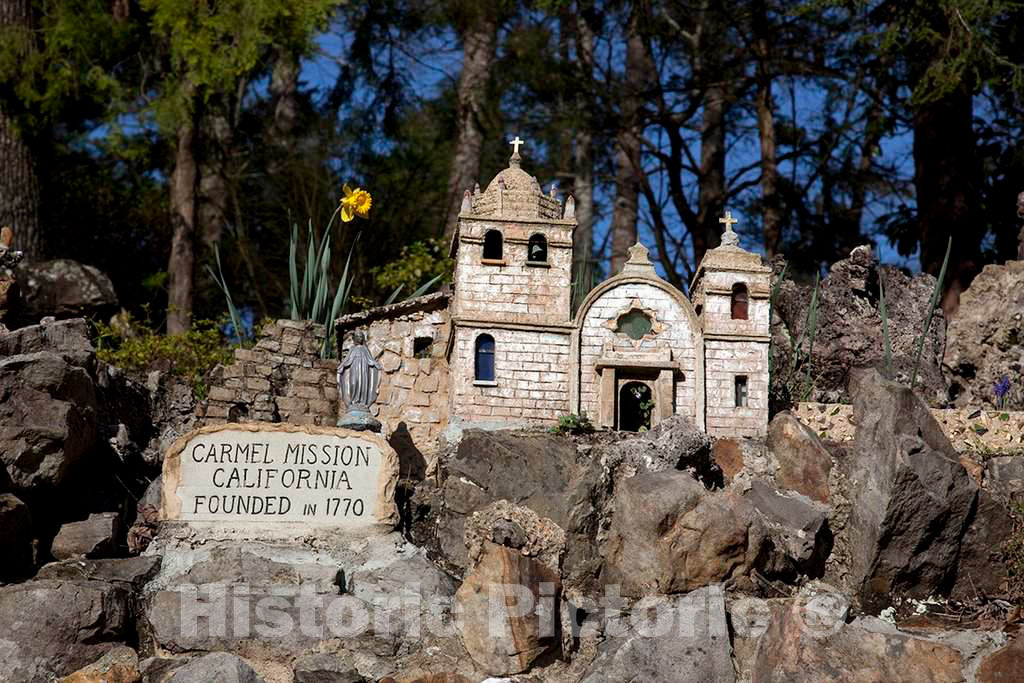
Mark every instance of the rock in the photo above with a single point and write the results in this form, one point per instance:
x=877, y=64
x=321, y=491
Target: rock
x=985, y=338
x=911, y=499
x=527, y=469
x=131, y=572
x=65, y=289
x=67, y=338
x=675, y=443
x=380, y=595
x=15, y=539
x=647, y=506
x=981, y=569
x=719, y=539
x=158, y=669
x=518, y=528
x=804, y=463
x=53, y=628
x=47, y=418
x=728, y=455
x=215, y=666
x=798, y=649
x=798, y=528
x=1004, y=476
x=322, y=668
x=119, y=665
x=93, y=537
x=1004, y=665
x=691, y=647
x=509, y=611
x=432, y=678
x=849, y=329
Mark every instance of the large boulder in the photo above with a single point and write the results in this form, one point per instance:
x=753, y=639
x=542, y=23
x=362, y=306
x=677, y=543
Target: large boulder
x=985, y=338
x=803, y=461
x=508, y=611
x=67, y=338
x=646, y=507
x=798, y=528
x=849, y=327
x=16, y=561
x=64, y=289
x=55, y=627
x=119, y=665
x=678, y=639
x=797, y=648
x=47, y=418
x=215, y=666
x=94, y=537
x=912, y=500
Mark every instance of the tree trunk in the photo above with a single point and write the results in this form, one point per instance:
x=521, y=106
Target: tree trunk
x=627, y=146
x=183, y=187
x=214, y=156
x=479, y=42
x=771, y=217
x=710, y=73
x=583, y=179
x=946, y=182
x=19, y=184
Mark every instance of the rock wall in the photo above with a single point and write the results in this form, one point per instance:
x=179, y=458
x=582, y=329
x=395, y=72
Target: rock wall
x=967, y=428
x=281, y=379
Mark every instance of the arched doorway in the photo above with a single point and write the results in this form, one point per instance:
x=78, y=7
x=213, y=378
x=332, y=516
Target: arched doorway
x=636, y=404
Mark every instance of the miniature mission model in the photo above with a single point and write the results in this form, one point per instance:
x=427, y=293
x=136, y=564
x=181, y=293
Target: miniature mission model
x=636, y=351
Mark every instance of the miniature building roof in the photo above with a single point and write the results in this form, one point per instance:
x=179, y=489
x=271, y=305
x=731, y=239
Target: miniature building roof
x=514, y=193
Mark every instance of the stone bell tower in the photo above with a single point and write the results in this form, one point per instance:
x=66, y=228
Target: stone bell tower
x=509, y=353
x=730, y=293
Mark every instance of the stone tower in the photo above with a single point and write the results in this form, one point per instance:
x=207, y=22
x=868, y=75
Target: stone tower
x=730, y=293
x=511, y=328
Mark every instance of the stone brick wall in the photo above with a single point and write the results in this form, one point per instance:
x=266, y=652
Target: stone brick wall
x=716, y=300
x=723, y=362
x=673, y=332
x=413, y=401
x=980, y=430
x=281, y=379
x=516, y=290
x=531, y=370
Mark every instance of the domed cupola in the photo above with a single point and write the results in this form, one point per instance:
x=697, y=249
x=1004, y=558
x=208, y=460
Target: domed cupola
x=513, y=193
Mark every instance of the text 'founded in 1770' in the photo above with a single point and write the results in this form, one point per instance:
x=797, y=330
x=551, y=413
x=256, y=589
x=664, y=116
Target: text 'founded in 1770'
x=280, y=473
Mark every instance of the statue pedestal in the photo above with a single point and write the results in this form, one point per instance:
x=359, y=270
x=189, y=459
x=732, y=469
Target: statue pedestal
x=360, y=421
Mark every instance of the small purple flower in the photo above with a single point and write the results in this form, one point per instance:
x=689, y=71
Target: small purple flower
x=1002, y=387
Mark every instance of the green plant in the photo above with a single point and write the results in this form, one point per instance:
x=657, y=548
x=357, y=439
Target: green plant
x=931, y=313
x=886, y=339
x=574, y=424
x=136, y=347
x=308, y=296
x=645, y=413
x=423, y=259
x=218, y=277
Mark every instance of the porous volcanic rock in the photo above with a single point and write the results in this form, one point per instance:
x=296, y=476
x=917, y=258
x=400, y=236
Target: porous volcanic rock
x=985, y=339
x=64, y=288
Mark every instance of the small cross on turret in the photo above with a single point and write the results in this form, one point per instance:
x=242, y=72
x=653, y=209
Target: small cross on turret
x=729, y=238
x=515, y=142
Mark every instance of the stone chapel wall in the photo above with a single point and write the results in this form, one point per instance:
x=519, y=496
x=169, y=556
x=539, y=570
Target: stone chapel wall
x=531, y=370
x=281, y=379
x=409, y=340
x=597, y=333
x=718, y=308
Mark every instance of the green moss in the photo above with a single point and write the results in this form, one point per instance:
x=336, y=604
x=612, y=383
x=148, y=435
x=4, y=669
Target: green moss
x=136, y=347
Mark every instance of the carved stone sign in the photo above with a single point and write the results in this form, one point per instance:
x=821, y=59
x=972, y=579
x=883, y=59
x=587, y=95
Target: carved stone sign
x=271, y=473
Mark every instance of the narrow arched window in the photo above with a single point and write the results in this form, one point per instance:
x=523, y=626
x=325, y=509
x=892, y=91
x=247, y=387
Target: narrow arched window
x=740, y=301
x=537, y=249
x=483, y=364
x=492, y=245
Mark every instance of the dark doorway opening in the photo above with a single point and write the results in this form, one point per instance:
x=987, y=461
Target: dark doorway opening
x=636, y=404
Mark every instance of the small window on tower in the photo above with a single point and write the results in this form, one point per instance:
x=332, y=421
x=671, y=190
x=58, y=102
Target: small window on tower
x=740, y=301
x=492, y=246
x=421, y=347
x=537, y=249
x=741, y=391
x=483, y=366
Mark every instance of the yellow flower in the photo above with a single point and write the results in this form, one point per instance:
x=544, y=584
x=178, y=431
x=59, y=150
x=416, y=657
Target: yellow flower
x=356, y=202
